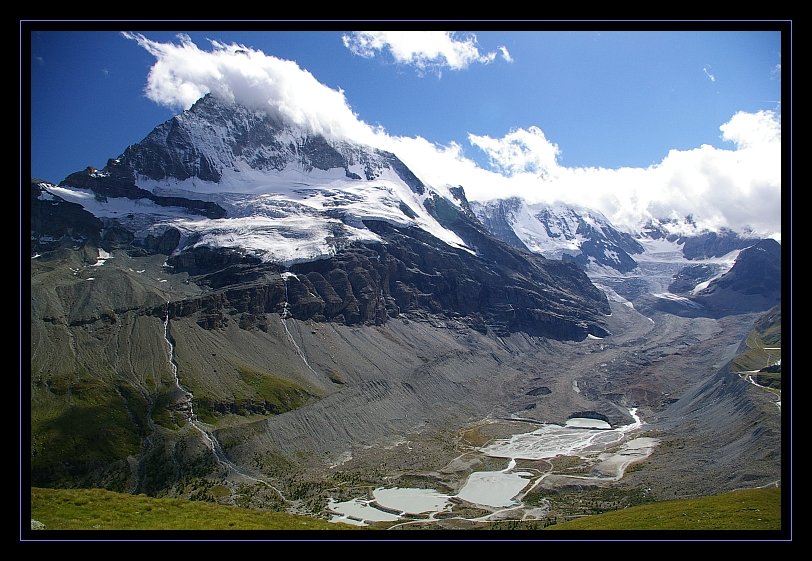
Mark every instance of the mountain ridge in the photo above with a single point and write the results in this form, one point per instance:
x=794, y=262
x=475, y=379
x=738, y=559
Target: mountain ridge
x=560, y=231
x=329, y=213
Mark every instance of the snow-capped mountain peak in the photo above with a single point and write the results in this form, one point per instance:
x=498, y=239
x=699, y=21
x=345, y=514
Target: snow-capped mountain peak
x=560, y=231
x=228, y=176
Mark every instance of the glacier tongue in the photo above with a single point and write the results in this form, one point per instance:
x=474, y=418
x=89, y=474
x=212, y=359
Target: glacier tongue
x=284, y=217
x=292, y=216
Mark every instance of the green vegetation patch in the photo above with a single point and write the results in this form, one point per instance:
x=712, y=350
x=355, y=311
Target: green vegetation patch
x=97, y=509
x=766, y=334
x=261, y=393
x=87, y=423
x=163, y=414
x=769, y=379
x=281, y=394
x=748, y=509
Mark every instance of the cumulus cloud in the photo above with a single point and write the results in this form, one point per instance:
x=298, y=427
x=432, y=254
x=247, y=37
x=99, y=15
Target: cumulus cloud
x=425, y=50
x=747, y=130
x=737, y=186
x=721, y=187
x=519, y=151
x=505, y=53
x=183, y=73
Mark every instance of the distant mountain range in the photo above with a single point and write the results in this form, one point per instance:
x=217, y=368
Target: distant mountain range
x=588, y=238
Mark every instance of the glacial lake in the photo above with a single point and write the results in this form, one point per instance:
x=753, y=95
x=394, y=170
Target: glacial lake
x=493, y=488
x=586, y=423
x=497, y=489
x=411, y=501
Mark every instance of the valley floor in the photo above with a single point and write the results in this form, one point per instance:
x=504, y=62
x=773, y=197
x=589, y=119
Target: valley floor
x=697, y=421
x=417, y=402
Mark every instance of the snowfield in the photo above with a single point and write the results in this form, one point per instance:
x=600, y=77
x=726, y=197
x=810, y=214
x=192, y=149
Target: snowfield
x=285, y=217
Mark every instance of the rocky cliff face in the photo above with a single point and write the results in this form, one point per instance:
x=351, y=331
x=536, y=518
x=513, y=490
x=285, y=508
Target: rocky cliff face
x=689, y=277
x=412, y=275
x=752, y=284
x=713, y=244
x=53, y=218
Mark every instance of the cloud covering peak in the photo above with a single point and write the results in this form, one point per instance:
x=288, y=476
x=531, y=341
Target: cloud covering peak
x=737, y=187
x=183, y=73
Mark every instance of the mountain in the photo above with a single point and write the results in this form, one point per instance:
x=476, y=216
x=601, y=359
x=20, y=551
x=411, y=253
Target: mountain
x=752, y=284
x=227, y=176
x=222, y=184
x=560, y=232
x=231, y=268
x=696, y=243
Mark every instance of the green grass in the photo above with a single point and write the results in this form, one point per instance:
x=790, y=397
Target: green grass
x=749, y=509
x=98, y=509
x=283, y=395
x=766, y=333
x=273, y=393
x=85, y=423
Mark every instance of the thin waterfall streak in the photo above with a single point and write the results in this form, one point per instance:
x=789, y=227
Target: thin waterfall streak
x=188, y=407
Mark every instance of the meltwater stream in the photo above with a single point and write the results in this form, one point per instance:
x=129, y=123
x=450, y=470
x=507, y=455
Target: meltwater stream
x=285, y=315
x=189, y=412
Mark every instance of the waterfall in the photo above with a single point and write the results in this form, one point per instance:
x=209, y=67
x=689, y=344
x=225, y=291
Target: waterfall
x=189, y=413
x=284, y=317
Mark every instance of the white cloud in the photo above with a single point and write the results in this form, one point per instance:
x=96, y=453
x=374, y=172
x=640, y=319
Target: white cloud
x=707, y=71
x=747, y=130
x=426, y=50
x=735, y=187
x=183, y=73
x=519, y=151
x=505, y=53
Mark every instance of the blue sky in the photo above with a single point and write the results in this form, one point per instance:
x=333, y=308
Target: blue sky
x=601, y=99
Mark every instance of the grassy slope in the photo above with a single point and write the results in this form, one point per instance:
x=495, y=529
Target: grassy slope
x=749, y=509
x=88, y=509
x=95, y=383
x=766, y=333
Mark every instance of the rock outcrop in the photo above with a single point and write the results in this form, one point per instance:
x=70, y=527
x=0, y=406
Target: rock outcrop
x=412, y=274
x=752, y=284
